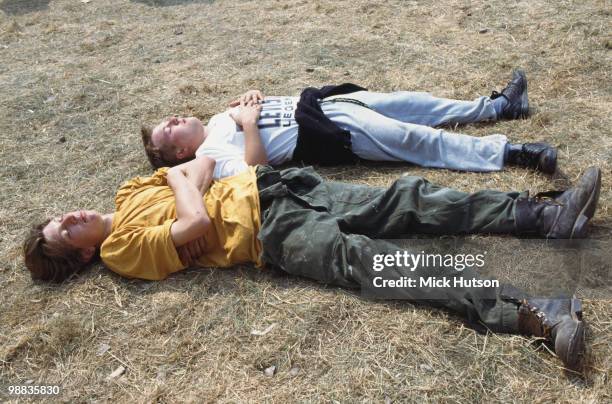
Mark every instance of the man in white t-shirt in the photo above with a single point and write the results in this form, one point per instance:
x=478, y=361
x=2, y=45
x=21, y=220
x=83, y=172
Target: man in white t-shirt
x=227, y=141
x=398, y=126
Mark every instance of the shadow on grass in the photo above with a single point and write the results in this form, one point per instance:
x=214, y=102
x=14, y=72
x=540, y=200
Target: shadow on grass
x=166, y=3
x=20, y=7
x=247, y=283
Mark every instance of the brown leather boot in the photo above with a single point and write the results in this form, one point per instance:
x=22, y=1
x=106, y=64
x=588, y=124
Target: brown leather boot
x=559, y=321
x=562, y=215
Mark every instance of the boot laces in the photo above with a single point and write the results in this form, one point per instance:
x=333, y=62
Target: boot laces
x=496, y=94
x=548, y=198
x=533, y=320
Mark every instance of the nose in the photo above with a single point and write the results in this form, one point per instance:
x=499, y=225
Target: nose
x=68, y=219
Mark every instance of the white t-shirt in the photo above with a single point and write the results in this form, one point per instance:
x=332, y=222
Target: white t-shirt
x=277, y=129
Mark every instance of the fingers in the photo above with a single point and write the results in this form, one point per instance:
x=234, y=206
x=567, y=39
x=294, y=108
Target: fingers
x=247, y=111
x=246, y=97
x=201, y=246
x=257, y=97
x=251, y=97
x=184, y=256
x=191, y=257
x=255, y=109
x=193, y=251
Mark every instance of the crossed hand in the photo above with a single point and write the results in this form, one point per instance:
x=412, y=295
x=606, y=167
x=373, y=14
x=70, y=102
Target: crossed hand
x=249, y=98
x=190, y=252
x=250, y=108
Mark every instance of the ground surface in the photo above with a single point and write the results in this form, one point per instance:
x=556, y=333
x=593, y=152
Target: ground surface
x=77, y=79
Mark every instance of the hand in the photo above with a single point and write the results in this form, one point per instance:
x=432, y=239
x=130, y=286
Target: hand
x=249, y=98
x=246, y=114
x=190, y=252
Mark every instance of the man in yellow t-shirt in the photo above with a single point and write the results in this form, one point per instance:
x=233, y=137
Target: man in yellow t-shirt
x=162, y=223
x=141, y=245
x=328, y=231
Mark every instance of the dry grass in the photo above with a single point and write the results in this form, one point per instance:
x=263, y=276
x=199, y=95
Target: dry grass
x=76, y=81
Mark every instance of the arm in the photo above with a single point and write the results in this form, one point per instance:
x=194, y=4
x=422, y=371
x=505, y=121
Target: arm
x=247, y=116
x=254, y=151
x=199, y=172
x=187, y=182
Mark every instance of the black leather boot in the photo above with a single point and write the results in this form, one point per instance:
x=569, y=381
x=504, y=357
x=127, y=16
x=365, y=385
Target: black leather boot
x=562, y=215
x=539, y=156
x=559, y=321
x=516, y=94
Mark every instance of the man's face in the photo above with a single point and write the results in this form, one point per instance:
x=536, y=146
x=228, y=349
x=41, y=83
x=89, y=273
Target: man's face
x=80, y=229
x=182, y=136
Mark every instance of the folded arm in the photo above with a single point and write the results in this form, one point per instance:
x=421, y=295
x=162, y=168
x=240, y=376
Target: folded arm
x=189, y=182
x=247, y=116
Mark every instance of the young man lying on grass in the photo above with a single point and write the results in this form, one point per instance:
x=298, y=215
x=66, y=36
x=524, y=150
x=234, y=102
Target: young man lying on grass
x=340, y=124
x=328, y=231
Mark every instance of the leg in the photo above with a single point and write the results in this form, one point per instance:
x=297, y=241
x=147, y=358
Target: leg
x=424, y=109
x=413, y=205
x=309, y=243
x=309, y=230
x=379, y=138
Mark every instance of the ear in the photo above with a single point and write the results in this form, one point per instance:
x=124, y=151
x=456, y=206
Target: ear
x=87, y=254
x=181, y=154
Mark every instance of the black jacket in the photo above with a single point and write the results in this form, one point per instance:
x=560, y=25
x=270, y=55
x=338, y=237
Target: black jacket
x=320, y=141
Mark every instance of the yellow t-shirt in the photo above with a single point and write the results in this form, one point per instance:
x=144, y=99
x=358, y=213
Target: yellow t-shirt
x=140, y=245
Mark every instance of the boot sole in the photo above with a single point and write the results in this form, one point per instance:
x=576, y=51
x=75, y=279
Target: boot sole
x=575, y=348
x=524, y=114
x=588, y=211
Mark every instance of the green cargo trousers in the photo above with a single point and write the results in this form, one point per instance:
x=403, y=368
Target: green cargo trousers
x=330, y=232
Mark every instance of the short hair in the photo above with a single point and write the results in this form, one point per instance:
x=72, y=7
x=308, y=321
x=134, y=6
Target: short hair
x=154, y=154
x=158, y=157
x=47, y=262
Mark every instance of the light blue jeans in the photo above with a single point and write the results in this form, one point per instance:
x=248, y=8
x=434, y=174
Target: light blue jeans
x=400, y=127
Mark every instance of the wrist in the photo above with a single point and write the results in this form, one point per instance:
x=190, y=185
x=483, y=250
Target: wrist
x=249, y=125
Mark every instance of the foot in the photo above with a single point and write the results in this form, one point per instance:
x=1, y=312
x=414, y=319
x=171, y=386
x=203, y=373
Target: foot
x=561, y=215
x=578, y=206
x=539, y=156
x=515, y=93
x=559, y=321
